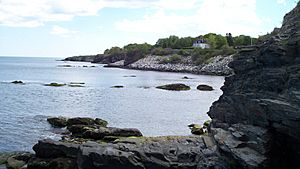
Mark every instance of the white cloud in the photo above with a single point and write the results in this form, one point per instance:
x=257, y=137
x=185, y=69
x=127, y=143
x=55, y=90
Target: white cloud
x=63, y=32
x=33, y=13
x=158, y=22
x=220, y=16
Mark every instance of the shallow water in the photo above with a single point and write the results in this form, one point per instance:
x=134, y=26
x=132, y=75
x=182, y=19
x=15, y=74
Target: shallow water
x=24, y=108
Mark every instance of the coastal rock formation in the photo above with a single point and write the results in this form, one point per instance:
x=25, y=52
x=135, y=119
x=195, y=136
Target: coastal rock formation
x=256, y=122
x=176, y=152
x=217, y=66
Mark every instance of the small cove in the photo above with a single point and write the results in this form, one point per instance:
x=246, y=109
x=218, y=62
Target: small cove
x=24, y=108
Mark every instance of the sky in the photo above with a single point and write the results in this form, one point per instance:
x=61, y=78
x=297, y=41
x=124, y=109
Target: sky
x=63, y=28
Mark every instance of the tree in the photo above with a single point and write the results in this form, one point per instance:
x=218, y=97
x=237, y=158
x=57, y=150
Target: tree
x=229, y=39
x=113, y=51
x=242, y=40
x=215, y=41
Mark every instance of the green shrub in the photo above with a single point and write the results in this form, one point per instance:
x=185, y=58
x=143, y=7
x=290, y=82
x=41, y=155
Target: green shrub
x=172, y=59
x=161, y=51
x=184, y=52
x=226, y=50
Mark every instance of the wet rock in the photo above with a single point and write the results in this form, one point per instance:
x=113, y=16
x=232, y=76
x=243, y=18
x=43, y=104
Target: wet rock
x=203, y=87
x=196, y=129
x=78, y=129
x=186, y=77
x=117, y=86
x=101, y=132
x=17, y=82
x=130, y=76
x=57, y=121
x=55, y=84
x=81, y=121
x=75, y=85
x=174, y=87
x=100, y=122
x=64, y=66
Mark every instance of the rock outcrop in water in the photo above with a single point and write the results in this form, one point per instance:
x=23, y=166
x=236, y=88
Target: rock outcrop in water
x=256, y=122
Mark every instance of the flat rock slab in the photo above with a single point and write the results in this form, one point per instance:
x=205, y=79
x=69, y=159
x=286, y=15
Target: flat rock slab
x=142, y=153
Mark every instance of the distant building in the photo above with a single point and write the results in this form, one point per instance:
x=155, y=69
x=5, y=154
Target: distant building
x=201, y=43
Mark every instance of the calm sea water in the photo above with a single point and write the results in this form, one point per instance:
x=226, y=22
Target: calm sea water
x=24, y=108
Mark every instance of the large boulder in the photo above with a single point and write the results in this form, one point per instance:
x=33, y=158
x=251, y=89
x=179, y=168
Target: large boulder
x=86, y=121
x=63, y=121
x=101, y=132
x=52, y=149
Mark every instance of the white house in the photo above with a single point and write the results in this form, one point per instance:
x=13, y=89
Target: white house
x=201, y=43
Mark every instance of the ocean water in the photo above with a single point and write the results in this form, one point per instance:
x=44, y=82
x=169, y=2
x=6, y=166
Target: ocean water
x=24, y=108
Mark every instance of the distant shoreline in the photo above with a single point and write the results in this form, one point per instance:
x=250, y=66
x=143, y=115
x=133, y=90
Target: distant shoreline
x=218, y=66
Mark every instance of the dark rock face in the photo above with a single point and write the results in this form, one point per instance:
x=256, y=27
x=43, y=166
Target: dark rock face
x=257, y=119
x=175, y=87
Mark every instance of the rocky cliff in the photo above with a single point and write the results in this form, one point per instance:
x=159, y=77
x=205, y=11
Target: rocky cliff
x=256, y=122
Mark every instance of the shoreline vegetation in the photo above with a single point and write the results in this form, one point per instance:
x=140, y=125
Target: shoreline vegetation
x=174, y=54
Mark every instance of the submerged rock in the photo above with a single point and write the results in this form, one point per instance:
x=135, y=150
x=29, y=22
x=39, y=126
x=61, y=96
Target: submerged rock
x=75, y=85
x=17, y=82
x=186, y=77
x=64, y=66
x=203, y=87
x=78, y=83
x=175, y=87
x=117, y=86
x=55, y=84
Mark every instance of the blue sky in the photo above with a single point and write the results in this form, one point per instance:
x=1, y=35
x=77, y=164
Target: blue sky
x=62, y=28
